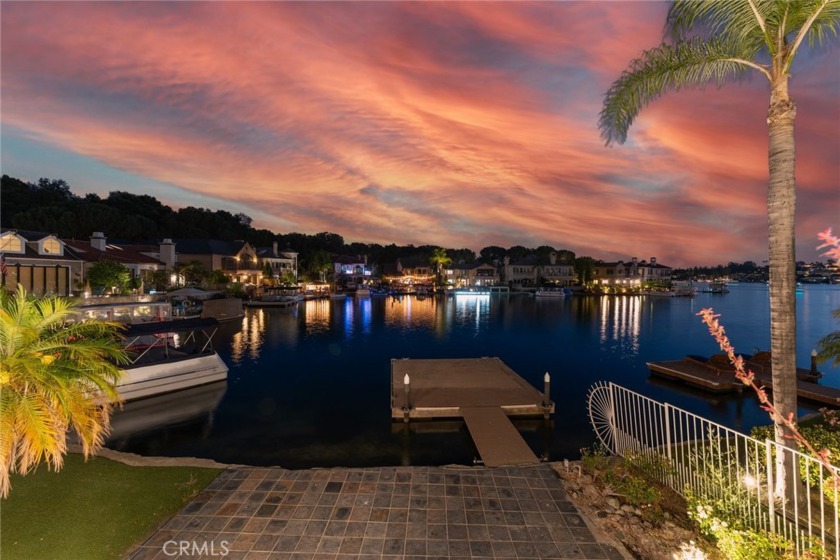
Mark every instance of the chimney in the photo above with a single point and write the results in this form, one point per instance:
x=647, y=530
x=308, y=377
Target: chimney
x=167, y=253
x=635, y=260
x=552, y=258
x=653, y=261
x=276, y=253
x=97, y=241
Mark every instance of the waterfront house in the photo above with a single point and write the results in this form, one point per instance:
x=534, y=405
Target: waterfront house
x=410, y=271
x=98, y=249
x=40, y=262
x=533, y=271
x=281, y=262
x=237, y=259
x=630, y=274
x=354, y=270
x=471, y=275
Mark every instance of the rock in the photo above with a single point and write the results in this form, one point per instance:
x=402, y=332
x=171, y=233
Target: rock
x=613, y=502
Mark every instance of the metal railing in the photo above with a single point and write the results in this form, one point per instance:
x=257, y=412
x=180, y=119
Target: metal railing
x=690, y=453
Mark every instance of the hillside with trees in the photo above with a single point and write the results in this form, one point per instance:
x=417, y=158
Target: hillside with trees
x=50, y=206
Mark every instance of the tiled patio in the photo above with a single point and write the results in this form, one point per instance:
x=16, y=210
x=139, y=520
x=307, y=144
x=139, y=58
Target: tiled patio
x=388, y=512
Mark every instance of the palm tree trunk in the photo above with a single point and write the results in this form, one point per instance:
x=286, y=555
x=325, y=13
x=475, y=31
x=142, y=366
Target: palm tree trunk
x=781, y=204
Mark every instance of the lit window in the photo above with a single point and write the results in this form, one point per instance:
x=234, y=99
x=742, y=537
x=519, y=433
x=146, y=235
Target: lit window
x=51, y=246
x=11, y=243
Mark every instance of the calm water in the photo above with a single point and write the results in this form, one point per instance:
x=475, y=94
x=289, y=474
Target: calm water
x=310, y=386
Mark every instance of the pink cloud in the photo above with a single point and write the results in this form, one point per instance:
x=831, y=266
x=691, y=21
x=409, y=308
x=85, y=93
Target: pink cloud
x=462, y=124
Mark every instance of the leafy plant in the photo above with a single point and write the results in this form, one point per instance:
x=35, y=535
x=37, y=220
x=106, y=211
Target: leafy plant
x=55, y=375
x=107, y=275
x=719, y=503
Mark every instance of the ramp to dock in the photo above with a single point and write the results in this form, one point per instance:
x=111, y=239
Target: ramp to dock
x=483, y=391
x=497, y=441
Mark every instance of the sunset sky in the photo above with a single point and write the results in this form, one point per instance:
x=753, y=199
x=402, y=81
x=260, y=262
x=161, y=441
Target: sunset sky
x=456, y=124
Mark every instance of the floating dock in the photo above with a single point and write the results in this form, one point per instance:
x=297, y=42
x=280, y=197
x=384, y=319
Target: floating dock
x=482, y=391
x=694, y=373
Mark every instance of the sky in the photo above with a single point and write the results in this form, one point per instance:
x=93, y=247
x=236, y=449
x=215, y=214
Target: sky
x=459, y=124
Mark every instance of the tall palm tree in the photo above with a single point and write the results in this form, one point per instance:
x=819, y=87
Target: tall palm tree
x=54, y=375
x=715, y=41
x=439, y=260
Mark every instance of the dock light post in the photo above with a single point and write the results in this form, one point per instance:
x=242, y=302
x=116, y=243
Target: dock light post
x=813, y=362
x=546, y=395
x=407, y=404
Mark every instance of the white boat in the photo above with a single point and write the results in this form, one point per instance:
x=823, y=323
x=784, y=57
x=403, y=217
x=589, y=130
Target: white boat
x=362, y=292
x=169, y=356
x=338, y=295
x=551, y=293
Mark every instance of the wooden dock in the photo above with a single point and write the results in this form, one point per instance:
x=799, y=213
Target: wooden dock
x=709, y=379
x=483, y=391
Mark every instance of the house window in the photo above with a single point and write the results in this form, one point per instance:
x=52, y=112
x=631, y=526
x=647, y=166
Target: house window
x=11, y=243
x=51, y=246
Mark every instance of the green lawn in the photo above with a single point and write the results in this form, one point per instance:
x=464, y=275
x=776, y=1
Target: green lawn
x=93, y=510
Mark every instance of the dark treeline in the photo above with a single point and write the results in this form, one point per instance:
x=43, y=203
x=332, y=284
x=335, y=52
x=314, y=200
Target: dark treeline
x=50, y=206
x=746, y=269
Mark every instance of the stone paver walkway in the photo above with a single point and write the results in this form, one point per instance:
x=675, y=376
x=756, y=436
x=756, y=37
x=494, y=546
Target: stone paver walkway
x=386, y=512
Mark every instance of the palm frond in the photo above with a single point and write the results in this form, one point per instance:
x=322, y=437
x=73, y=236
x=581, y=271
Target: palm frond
x=826, y=25
x=56, y=374
x=693, y=63
x=739, y=21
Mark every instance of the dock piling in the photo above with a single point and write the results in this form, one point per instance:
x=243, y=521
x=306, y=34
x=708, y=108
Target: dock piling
x=407, y=407
x=546, y=395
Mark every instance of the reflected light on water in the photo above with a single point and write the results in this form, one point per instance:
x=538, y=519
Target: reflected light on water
x=621, y=321
x=316, y=315
x=473, y=309
x=365, y=315
x=410, y=312
x=250, y=338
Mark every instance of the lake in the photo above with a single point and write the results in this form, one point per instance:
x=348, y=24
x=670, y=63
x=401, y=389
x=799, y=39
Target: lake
x=310, y=386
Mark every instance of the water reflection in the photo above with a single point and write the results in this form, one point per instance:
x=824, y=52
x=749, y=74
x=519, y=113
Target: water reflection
x=315, y=315
x=249, y=339
x=309, y=385
x=621, y=321
x=193, y=406
x=472, y=311
x=407, y=313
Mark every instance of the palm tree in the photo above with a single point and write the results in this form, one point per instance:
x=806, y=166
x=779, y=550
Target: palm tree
x=54, y=375
x=439, y=260
x=718, y=41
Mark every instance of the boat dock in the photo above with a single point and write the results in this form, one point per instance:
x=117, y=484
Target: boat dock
x=716, y=381
x=483, y=391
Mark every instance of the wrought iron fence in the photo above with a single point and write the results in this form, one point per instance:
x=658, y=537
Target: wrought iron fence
x=690, y=453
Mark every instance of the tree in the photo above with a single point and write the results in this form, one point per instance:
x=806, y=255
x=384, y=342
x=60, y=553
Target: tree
x=319, y=263
x=194, y=272
x=217, y=280
x=55, y=375
x=107, y=275
x=439, y=260
x=158, y=280
x=268, y=274
x=492, y=253
x=585, y=269
x=718, y=41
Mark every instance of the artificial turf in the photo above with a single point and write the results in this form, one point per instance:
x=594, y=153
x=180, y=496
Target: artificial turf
x=91, y=510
